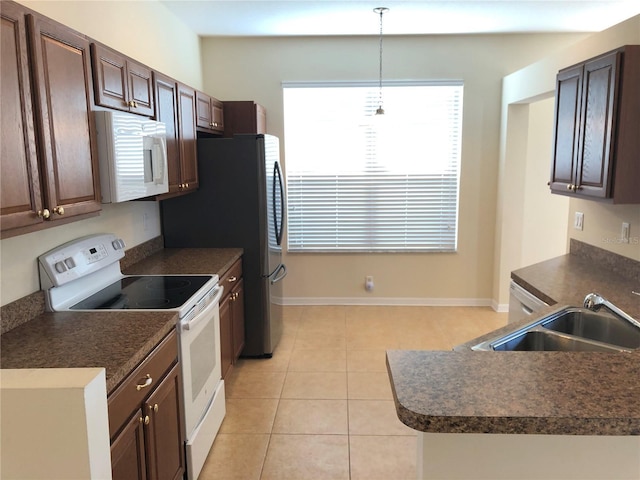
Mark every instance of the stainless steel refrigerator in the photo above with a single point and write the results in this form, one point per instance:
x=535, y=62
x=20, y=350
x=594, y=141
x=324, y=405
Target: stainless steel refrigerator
x=240, y=203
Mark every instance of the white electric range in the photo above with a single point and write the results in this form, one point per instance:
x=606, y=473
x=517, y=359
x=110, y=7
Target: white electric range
x=85, y=275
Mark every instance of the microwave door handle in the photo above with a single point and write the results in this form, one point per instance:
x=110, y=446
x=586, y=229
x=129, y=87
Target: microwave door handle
x=157, y=162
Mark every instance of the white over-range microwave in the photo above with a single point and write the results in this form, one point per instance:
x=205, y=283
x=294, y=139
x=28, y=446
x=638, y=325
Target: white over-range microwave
x=132, y=153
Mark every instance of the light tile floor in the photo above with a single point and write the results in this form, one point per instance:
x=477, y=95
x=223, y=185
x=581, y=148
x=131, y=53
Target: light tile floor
x=322, y=407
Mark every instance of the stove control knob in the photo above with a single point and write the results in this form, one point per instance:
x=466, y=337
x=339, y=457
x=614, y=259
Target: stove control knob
x=118, y=244
x=69, y=263
x=60, y=267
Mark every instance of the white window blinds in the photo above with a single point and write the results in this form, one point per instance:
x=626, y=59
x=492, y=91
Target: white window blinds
x=359, y=182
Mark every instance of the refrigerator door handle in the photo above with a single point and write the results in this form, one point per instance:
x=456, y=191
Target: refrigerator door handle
x=277, y=179
x=279, y=274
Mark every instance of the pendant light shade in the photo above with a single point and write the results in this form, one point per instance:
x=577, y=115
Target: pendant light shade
x=380, y=11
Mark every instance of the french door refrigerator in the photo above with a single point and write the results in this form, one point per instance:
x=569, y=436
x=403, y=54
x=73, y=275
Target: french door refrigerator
x=240, y=202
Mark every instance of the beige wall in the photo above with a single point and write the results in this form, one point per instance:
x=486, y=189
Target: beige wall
x=254, y=68
x=527, y=86
x=544, y=216
x=147, y=32
x=144, y=30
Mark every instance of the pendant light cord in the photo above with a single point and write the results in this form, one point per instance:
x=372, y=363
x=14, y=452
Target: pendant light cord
x=381, y=11
x=380, y=73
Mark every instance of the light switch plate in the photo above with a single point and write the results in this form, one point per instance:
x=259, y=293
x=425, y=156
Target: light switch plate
x=578, y=221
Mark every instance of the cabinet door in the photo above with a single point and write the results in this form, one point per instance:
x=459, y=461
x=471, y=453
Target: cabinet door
x=64, y=98
x=140, y=85
x=217, y=115
x=237, y=326
x=567, y=121
x=110, y=78
x=164, y=439
x=19, y=178
x=210, y=113
x=595, y=148
x=226, y=336
x=167, y=112
x=127, y=451
x=187, y=135
x=203, y=110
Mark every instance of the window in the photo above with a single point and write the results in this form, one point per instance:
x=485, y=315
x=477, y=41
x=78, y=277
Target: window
x=363, y=183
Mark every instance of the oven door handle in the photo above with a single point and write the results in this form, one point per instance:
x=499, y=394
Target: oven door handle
x=196, y=314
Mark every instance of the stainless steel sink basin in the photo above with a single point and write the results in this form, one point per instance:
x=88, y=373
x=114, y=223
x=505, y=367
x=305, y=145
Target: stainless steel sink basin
x=572, y=329
x=540, y=341
x=596, y=326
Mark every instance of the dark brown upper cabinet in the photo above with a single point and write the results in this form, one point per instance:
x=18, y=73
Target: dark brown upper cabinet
x=210, y=114
x=122, y=83
x=20, y=180
x=176, y=108
x=49, y=156
x=596, y=151
x=244, y=117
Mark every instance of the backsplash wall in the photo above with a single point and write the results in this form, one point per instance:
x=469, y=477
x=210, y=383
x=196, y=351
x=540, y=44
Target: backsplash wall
x=603, y=226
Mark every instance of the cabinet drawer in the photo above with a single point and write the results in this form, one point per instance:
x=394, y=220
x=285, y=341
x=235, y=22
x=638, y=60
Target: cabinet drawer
x=231, y=277
x=128, y=396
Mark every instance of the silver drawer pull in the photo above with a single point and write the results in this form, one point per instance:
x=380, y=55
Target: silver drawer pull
x=231, y=279
x=147, y=381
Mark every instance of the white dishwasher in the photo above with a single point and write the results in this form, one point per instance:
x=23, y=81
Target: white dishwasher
x=522, y=303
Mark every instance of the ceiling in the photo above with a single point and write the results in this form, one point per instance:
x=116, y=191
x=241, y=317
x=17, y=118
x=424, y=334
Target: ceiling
x=409, y=17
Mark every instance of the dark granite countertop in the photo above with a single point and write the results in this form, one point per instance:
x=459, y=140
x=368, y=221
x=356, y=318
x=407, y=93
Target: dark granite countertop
x=564, y=393
x=117, y=341
x=567, y=279
x=186, y=260
x=557, y=393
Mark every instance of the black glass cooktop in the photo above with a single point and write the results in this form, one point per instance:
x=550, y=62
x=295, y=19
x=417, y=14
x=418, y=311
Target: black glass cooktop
x=156, y=292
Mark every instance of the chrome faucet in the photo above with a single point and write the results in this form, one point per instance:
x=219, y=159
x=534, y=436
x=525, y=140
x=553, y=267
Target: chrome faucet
x=594, y=301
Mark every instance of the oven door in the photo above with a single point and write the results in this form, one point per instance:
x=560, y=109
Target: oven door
x=200, y=356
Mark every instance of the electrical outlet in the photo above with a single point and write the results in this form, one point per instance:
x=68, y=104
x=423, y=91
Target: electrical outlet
x=578, y=221
x=625, y=232
x=368, y=283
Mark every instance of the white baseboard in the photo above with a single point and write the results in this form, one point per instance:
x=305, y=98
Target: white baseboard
x=500, y=307
x=385, y=301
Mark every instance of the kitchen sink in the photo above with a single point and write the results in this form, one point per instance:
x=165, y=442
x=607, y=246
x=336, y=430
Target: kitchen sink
x=541, y=341
x=572, y=329
x=596, y=326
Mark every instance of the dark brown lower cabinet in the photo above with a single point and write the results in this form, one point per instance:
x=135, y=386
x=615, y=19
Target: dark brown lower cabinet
x=149, y=444
x=127, y=451
x=226, y=332
x=237, y=316
x=232, y=317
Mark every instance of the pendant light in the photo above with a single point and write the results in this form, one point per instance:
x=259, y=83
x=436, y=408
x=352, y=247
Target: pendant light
x=380, y=11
